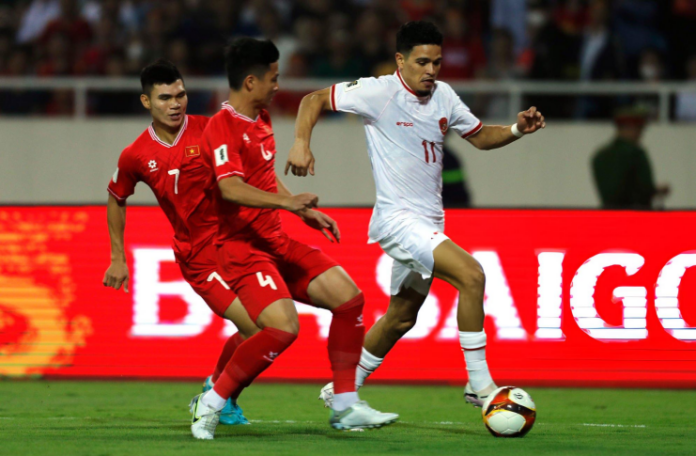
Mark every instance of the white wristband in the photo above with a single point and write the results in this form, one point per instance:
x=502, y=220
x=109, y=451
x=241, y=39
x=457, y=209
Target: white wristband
x=516, y=131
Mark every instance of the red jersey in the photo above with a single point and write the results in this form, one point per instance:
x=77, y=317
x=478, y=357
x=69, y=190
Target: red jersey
x=235, y=145
x=178, y=178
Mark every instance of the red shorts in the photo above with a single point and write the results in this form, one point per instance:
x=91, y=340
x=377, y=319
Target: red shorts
x=201, y=272
x=262, y=272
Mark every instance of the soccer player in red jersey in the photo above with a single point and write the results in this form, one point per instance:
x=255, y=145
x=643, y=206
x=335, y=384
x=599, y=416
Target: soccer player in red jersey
x=265, y=267
x=167, y=157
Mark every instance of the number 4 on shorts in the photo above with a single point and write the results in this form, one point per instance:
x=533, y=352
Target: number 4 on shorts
x=268, y=280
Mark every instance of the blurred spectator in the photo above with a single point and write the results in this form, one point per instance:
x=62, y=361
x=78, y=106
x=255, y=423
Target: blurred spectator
x=686, y=100
x=106, y=42
x=116, y=102
x=371, y=51
x=309, y=32
x=571, y=16
x=338, y=63
x=463, y=56
x=553, y=53
x=511, y=15
x=683, y=33
x=540, y=40
x=638, y=26
x=600, y=51
x=35, y=19
x=270, y=26
x=14, y=102
x=651, y=67
x=57, y=59
x=600, y=59
x=70, y=24
x=502, y=67
x=622, y=170
x=416, y=10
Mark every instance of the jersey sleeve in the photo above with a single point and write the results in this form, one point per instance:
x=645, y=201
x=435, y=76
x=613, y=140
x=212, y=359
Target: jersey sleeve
x=224, y=150
x=366, y=97
x=127, y=174
x=462, y=121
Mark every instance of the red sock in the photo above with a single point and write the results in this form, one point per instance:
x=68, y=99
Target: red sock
x=252, y=357
x=346, y=337
x=227, y=352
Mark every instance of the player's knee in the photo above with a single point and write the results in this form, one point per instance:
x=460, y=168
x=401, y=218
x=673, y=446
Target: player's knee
x=289, y=326
x=405, y=325
x=247, y=332
x=471, y=278
x=347, y=291
x=401, y=323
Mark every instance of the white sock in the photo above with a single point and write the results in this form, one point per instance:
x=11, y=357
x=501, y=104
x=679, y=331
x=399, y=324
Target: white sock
x=343, y=401
x=367, y=365
x=474, y=348
x=213, y=400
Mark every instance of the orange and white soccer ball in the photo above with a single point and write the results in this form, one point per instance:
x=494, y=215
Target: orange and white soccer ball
x=509, y=412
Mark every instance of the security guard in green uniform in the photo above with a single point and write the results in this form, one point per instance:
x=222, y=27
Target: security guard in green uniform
x=622, y=169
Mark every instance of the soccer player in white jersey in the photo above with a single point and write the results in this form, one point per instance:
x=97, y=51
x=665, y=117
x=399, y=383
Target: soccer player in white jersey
x=406, y=116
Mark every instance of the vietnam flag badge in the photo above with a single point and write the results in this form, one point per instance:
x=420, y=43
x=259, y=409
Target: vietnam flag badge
x=192, y=151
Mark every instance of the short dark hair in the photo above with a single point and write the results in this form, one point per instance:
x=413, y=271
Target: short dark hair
x=160, y=72
x=245, y=56
x=417, y=33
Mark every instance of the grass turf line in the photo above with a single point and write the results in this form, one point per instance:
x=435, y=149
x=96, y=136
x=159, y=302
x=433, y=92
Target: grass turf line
x=151, y=418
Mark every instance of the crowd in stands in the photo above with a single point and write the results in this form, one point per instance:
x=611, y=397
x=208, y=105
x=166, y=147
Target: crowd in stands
x=493, y=40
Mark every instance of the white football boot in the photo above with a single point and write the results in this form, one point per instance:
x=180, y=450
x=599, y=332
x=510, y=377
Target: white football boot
x=204, y=419
x=477, y=398
x=326, y=394
x=360, y=416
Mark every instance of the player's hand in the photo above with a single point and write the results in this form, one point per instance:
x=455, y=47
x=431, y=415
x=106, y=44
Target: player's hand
x=322, y=222
x=117, y=275
x=301, y=202
x=530, y=121
x=300, y=159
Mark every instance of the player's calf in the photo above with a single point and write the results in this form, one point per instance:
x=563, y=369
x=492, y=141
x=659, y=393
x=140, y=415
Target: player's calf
x=346, y=336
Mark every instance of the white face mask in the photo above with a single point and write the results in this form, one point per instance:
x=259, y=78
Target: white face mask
x=135, y=50
x=649, y=71
x=536, y=18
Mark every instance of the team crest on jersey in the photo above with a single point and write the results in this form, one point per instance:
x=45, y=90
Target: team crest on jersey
x=443, y=125
x=153, y=166
x=192, y=151
x=352, y=85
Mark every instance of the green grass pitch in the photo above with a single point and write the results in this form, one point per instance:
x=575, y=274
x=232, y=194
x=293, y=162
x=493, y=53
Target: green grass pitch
x=151, y=418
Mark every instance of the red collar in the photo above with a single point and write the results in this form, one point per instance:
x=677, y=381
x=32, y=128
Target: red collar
x=408, y=89
x=231, y=110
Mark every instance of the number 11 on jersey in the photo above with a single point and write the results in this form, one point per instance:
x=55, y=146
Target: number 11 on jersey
x=432, y=149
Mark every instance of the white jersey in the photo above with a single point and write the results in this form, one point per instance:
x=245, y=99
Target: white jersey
x=405, y=137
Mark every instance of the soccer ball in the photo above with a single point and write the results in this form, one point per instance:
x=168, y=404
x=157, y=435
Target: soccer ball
x=509, y=412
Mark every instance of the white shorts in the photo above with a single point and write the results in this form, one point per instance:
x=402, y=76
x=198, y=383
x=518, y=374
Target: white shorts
x=411, y=247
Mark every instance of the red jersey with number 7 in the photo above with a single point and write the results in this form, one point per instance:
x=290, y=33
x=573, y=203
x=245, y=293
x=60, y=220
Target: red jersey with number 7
x=178, y=178
x=236, y=145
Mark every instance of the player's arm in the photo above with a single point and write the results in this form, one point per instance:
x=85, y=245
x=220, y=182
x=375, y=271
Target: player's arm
x=495, y=136
x=235, y=190
x=300, y=159
x=117, y=274
x=314, y=219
